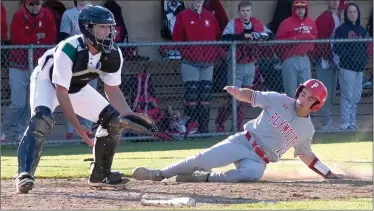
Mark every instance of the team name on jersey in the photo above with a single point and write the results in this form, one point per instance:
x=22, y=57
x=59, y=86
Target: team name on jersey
x=285, y=129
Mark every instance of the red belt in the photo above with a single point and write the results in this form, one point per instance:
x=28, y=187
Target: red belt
x=257, y=148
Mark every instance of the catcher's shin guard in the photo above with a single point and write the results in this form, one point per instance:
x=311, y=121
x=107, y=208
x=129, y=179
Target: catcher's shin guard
x=106, y=141
x=112, y=125
x=191, y=99
x=205, y=97
x=30, y=147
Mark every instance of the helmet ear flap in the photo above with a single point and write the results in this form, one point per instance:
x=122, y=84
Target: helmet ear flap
x=313, y=107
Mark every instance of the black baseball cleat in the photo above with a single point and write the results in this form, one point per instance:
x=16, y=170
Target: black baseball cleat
x=115, y=180
x=24, y=183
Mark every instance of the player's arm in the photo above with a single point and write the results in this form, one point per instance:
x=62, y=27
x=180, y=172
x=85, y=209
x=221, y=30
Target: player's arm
x=317, y=166
x=113, y=92
x=117, y=99
x=303, y=150
x=61, y=77
x=241, y=94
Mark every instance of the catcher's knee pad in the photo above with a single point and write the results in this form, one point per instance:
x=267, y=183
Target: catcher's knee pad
x=205, y=92
x=40, y=125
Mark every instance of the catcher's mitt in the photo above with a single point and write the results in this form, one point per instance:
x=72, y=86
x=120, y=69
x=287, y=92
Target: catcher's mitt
x=141, y=123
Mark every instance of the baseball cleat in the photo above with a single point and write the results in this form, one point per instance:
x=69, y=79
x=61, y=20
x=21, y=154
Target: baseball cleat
x=197, y=176
x=24, y=183
x=142, y=173
x=114, y=180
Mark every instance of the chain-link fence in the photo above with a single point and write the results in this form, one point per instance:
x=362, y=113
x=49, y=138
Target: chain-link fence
x=180, y=85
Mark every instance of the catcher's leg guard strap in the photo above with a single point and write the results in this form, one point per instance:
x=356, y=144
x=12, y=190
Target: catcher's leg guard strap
x=29, y=150
x=191, y=98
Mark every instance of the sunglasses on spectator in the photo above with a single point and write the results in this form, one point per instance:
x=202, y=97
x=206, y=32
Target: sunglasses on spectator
x=34, y=3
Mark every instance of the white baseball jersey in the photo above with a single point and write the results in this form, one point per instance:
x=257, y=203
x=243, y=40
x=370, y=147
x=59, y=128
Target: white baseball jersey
x=65, y=72
x=278, y=128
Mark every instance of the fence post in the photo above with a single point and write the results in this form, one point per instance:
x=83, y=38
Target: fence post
x=234, y=106
x=30, y=58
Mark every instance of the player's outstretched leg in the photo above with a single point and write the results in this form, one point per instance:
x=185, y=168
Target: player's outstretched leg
x=30, y=148
x=143, y=173
x=106, y=141
x=198, y=166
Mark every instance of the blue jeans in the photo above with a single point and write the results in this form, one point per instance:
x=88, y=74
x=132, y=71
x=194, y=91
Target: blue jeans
x=18, y=112
x=351, y=90
x=85, y=122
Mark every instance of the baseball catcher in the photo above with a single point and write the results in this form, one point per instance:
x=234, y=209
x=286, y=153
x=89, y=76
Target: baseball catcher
x=61, y=78
x=284, y=123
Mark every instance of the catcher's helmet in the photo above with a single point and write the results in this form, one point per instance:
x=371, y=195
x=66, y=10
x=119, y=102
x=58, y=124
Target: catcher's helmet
x=96, y=15
x=318, y=89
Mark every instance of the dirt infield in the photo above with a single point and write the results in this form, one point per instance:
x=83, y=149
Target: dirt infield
x=74, y=194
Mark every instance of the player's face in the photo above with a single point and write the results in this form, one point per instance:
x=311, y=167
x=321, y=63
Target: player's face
x=33, y=6
x=198, y=3
x=334, y=4
x=83, y=3
x=352, y=13
x=101, y=31
x=305, y=100
x=245, y=13
x=300, y=11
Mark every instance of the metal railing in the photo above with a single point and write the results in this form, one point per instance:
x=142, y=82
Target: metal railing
x=188, y=80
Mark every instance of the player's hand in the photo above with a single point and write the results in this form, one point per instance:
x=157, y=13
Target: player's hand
x=335, y=176
x=248, y=36
x=82, y=131
x=232, y=90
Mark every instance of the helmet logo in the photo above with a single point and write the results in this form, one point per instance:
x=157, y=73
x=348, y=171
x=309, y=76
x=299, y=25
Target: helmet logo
x=314, y=85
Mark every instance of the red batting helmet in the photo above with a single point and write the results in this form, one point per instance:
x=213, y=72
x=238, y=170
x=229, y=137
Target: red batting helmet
x=318, y=89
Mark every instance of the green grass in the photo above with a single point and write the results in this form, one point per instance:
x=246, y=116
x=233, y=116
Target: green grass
x=351, y=151
x=67, y=161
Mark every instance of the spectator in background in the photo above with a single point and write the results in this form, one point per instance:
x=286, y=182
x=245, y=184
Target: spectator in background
x=69, y=27
x=4, y=25
x=283, y=10
x=296, y=67
x=121, y=35
x=197, y=24
x=57, y=8
x=69, y=21
x=31, y=24
x=4, y=37
x=245, y=27
x=352, y=61
x=327, y=61
x=215, y=6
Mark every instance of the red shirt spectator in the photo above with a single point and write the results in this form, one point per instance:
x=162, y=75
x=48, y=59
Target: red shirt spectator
x=4, y=25
x=31, y=24
x=326, y=23
x=296, y=28
x=191, y=26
